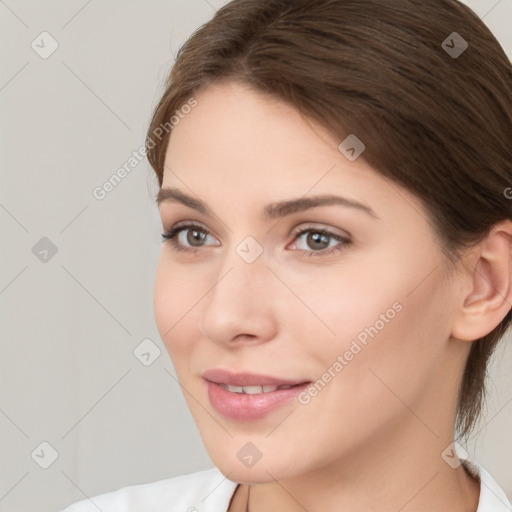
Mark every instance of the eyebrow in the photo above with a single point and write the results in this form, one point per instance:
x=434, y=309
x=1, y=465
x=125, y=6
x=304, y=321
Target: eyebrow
x=271, y=211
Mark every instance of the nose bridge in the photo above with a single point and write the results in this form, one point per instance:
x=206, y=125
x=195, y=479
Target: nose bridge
x=238, y=302
x=243, y=277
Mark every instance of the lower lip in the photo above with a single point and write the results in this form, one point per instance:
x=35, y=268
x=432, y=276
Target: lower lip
x=244, y=407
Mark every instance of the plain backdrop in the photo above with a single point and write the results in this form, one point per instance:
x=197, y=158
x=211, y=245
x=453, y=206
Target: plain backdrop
x=80, y=414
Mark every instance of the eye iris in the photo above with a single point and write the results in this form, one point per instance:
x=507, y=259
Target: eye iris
x=318, y=238
x=195, y=237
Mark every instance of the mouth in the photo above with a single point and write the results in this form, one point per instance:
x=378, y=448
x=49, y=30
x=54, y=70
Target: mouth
x=255, y=390
x=248, y=396
x=249, y=383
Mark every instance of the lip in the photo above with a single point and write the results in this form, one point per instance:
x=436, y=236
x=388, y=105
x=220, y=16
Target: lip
x=221, y=376
x=249, y=407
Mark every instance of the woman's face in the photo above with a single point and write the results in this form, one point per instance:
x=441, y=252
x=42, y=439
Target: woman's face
x=356, y=305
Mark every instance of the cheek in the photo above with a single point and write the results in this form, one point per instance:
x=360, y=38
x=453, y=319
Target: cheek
x=377, y=292
x=365, y=327
x=351, y=302
x=174, y=298
x=387, y=311
x=391, y=339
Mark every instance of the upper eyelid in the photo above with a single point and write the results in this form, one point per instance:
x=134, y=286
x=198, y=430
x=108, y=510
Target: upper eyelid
x=296, y=231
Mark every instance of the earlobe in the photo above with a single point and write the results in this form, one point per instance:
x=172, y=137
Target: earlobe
x=490, y=286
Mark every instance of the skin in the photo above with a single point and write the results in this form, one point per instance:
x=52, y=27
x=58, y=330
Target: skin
x=372, y=439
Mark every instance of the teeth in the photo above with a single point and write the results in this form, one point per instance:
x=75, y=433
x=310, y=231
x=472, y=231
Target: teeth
x=235, y=389
x=254, y=390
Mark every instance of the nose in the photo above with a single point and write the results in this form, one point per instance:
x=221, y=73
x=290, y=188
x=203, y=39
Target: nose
x=241, y=305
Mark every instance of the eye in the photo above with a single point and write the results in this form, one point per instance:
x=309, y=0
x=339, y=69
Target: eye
x=191, y=237
x=195, y=237
x=319, y=239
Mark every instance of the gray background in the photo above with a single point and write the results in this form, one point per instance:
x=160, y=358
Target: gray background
x=70, y=324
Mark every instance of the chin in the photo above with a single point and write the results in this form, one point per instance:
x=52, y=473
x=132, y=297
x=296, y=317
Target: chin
x=262, y=471
x=250, y=475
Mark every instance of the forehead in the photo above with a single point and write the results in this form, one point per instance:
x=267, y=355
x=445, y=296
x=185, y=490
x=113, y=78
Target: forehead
x=245, y=147
x=234, y=121
x=233, y=128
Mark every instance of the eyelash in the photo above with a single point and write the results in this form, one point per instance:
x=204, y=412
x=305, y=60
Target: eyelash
x=170, y=236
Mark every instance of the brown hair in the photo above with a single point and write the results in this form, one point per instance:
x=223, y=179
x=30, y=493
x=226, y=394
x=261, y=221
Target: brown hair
x=436, y=123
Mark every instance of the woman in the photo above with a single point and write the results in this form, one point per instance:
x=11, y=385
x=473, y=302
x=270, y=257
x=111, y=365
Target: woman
x=336, y=269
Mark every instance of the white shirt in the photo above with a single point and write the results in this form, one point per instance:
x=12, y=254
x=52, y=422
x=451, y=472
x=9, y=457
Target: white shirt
x=211, y=491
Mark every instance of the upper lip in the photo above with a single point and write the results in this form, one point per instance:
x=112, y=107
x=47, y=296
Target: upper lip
x=221, y=376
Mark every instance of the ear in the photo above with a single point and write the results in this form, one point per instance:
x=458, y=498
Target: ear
x=486, y=295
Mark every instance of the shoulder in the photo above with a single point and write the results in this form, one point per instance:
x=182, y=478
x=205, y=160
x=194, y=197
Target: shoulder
x=204, y=490
x=492, y=496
